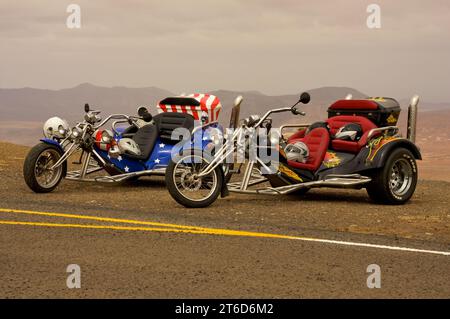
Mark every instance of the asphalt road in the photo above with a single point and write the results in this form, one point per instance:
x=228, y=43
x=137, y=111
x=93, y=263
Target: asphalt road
x=139, y=255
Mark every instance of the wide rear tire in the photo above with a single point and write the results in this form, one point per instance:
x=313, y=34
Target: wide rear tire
x=395, y=183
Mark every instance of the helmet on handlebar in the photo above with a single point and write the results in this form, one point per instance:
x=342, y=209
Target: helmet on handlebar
x=55, y=127
x=297, y=151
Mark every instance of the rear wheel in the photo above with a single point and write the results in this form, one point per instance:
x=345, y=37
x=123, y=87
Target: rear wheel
x=396, y=182
x=187, y=187
x=37, y=170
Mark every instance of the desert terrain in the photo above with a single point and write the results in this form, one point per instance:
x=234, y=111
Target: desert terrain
x=131, y=256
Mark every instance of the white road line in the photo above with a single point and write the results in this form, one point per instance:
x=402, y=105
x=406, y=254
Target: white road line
x=367, y=245
x=200, y=230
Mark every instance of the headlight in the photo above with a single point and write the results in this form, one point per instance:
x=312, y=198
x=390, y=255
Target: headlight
x=62, y=131
x=75, y=132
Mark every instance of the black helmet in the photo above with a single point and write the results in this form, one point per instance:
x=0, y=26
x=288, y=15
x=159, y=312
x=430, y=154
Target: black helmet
x=349, y=132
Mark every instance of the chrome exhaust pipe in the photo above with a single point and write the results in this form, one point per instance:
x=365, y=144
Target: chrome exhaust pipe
x=412, y=118
x=234, y=119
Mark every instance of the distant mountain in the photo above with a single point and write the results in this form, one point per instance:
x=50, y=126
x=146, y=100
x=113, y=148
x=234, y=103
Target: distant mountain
x=29, y=104
x=22, y=111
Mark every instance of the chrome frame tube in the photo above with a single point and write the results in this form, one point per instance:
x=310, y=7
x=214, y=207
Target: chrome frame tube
x=85, y=164
x=221, y=155
x=247, y=175
x=72, y=149
x=282, y=127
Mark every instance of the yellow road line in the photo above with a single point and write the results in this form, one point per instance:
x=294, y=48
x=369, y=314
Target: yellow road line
x=194, y=230
x=101, y=219
x=155, y=229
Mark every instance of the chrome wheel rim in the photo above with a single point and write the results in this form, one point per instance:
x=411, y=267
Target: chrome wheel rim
x=187, y=181
x=401, y=177
x=46, y=177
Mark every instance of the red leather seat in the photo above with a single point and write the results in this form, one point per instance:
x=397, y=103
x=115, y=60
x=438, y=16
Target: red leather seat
x=317, y=141
x=299, y=134
x=337, y=122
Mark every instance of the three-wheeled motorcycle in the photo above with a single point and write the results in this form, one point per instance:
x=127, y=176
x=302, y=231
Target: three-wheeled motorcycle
x=135, y=146
x=380, y=159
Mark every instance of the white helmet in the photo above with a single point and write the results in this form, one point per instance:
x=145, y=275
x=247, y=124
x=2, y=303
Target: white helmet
x=127, y=145
x=298, y=152
x=55, y=127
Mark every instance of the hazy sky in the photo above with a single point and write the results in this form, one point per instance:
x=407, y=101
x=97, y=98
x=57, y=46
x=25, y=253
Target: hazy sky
x=276, y=47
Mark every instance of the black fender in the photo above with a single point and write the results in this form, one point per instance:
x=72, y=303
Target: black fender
x=367, y=159
x=383, y=153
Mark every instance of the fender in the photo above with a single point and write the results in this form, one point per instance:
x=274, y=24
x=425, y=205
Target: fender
x=383, y=152
x=52, y=142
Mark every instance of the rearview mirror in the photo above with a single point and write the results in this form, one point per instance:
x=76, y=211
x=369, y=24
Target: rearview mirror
x=86, y=108
x=145, y=114
x=305, y=98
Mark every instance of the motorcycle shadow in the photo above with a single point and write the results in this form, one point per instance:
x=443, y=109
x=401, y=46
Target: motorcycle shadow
x=324, y=196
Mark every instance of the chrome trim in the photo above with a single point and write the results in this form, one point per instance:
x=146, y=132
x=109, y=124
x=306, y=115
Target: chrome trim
x=301, y=125
x=382, y=129
x=75, y=176
x=333, y=181
x=412, y=118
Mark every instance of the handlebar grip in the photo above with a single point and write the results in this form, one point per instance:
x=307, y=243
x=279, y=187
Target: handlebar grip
x=297, y=112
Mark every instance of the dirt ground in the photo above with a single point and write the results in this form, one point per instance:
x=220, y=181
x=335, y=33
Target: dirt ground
x=138, y=263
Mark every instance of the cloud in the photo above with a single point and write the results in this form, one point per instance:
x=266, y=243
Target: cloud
x=274, y=46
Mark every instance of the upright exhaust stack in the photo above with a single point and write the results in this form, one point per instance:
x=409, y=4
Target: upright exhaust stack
x=412, y=118
x=234, y=119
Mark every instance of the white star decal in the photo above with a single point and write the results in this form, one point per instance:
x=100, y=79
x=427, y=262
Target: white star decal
x=127, y=169
x=205, y=138
x=119, y=158
x=162, y=145
x=157, y=161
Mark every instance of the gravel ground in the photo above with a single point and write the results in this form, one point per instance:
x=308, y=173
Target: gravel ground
x=126, y=263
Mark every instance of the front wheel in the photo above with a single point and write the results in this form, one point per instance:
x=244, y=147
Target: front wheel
x=396, y=182
x=37, y=171
x=187, y=187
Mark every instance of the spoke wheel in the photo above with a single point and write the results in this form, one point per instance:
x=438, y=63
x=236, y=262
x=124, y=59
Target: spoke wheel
x=37, y=168
x=189, y=183
x=186, y=184
x=45, y=176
